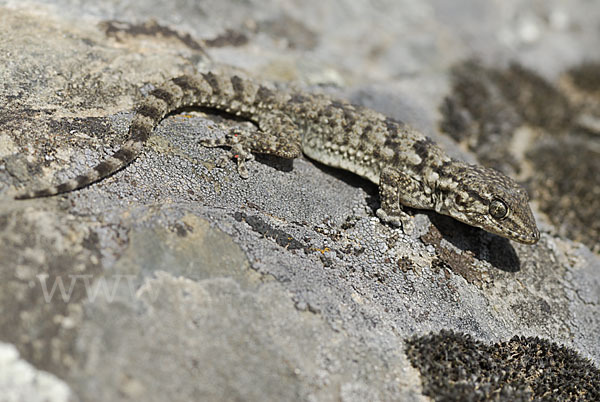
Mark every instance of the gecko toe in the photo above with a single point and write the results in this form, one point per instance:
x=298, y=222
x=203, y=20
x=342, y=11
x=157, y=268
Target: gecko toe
x=242, y=170
x=401, y=220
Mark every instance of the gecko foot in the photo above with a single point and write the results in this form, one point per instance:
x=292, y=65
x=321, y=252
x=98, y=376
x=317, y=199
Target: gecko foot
x=399, y=219
x=238, y=151
x=241, y=155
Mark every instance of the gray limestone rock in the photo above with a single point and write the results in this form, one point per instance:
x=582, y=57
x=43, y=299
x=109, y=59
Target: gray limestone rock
x=176, y=280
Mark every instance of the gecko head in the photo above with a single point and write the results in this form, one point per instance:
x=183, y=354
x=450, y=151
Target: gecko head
x=494, y=202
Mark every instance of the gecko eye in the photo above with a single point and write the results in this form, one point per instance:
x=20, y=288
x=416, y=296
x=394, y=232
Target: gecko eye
x=498, y=209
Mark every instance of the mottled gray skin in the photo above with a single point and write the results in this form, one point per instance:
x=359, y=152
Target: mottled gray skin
x=410, y=169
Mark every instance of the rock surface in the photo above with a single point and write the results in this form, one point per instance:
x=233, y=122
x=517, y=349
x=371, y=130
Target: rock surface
x=177, y=280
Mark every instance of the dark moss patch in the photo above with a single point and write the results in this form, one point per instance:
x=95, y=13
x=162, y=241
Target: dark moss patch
x=456, y=367
x=488, y=101
x=568, y=191
x=119, y=30
x=538, y=101
x=228, y=38
x=97, y=127
x=478, y=114
x=586, y=76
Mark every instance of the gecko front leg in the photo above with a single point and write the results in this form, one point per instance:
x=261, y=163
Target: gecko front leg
x=393, y=186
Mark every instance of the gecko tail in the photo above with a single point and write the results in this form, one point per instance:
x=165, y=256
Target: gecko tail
x=50, y=191
x=107, y=167
x=170, y=96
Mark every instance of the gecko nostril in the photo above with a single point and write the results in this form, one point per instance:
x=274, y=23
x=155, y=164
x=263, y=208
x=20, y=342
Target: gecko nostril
x=535, y=235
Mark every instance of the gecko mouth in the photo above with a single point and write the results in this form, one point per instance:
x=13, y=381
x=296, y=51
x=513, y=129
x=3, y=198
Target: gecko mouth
x=531, y=237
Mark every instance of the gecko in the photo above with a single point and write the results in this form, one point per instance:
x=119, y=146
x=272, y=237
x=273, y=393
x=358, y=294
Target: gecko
x=409, y=168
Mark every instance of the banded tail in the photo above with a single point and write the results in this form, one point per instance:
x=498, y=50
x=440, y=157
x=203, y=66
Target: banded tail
x=231, y=94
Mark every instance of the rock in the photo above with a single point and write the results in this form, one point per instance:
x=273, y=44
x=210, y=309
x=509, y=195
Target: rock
x=175, y=279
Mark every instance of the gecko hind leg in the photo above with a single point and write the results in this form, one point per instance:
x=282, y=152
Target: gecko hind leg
x=238, y=149
x=276, y=136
